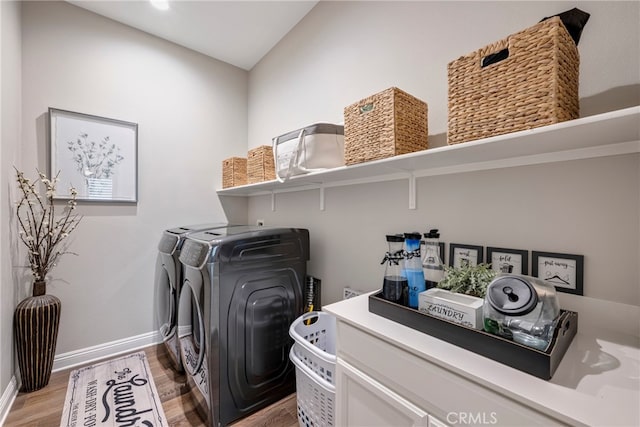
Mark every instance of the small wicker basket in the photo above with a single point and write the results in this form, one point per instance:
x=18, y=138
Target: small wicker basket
x=234, y=172
x=535, y=85
x=383, y=125
x=260, y=164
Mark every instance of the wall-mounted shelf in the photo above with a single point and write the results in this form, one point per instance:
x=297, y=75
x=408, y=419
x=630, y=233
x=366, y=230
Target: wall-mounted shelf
x=607, y=134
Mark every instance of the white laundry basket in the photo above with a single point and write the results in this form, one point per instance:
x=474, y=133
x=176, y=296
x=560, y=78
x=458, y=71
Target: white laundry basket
x=313, y=354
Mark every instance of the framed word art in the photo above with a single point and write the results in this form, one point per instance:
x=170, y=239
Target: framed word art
x=95, y=155
x=465, y=255
x=564, y=271
x=515, y=261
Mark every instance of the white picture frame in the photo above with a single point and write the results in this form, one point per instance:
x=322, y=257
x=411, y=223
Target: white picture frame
x=95, y=155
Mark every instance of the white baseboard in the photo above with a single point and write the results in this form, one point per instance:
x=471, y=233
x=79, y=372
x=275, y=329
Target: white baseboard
x=7, y=398
x=113, y=348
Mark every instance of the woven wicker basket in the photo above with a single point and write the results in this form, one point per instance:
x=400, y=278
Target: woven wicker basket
x=536, y=85
x=260, y=164
x=234, y=172
x=383, y=125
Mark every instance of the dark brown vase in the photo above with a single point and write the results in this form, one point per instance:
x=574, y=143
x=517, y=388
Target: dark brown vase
x=36, y=323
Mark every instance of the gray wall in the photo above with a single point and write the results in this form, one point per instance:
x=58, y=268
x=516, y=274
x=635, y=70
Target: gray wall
x=10, y=113
x=191, y=112
x=344, y=51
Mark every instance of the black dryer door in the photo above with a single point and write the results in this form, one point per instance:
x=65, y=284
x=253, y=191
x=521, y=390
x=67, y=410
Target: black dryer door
x=262, y=307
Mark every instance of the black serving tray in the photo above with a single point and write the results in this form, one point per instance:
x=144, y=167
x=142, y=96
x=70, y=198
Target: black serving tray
x=535, y=362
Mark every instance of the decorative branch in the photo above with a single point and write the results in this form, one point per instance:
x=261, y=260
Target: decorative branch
x=42, y=234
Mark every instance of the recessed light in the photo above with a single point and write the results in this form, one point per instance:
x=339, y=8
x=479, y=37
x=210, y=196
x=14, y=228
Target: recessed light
x=160, y=4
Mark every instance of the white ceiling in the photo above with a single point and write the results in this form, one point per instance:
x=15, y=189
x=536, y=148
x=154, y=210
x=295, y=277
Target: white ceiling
x=237, y=32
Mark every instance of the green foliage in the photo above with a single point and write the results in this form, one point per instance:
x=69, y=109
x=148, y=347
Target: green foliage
x=468, y=280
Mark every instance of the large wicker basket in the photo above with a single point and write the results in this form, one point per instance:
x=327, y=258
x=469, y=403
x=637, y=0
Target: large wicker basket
x=234, y=172
x=383, y=125
x=260, y=164
x=536, y=85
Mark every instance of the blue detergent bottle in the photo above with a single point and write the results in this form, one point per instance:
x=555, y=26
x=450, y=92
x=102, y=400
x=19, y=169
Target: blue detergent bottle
x=413, y=267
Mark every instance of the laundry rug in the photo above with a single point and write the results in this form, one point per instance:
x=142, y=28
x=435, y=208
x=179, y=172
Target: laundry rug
x=116, y=393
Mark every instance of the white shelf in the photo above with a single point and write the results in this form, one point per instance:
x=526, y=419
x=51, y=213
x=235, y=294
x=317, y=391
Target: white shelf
x=607, y=134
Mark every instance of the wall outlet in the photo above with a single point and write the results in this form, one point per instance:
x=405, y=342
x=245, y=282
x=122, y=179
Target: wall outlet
x=350, y=293
x=260, y=222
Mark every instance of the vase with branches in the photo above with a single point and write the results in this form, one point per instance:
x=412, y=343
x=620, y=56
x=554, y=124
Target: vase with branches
x=45, y=234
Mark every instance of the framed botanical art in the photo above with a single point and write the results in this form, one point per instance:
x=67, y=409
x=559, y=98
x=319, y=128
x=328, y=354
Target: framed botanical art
x=97, y=156
x=465, y=255
x=564, y=271
x=504, y=260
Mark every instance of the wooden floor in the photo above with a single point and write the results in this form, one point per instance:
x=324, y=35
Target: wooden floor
x=43, y=408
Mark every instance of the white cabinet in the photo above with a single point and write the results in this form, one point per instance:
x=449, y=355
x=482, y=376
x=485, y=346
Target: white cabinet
x=365, y=402
x=389, y=374
x=378, y=382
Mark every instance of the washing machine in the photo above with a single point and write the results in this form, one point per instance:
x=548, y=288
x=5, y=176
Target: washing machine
x=168, y=278
x=241, y=291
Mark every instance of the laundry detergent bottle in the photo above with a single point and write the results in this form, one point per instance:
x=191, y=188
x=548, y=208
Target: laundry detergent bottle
x=413, y=267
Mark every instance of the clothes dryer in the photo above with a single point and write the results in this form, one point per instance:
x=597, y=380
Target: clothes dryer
x=242, y=289
x=168, y=278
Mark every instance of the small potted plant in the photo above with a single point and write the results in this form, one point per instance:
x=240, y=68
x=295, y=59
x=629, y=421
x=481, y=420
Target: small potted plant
x=469, y=280
x=460, y=295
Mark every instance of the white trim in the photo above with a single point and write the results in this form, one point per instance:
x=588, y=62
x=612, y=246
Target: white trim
x=109, y=349
x=7, y=399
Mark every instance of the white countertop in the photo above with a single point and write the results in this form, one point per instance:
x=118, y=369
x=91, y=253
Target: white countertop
x=597, y=383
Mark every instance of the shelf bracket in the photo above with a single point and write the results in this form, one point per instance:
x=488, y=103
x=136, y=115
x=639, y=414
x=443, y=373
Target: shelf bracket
x=412, y=191
x=322, y=197
x=273, y=201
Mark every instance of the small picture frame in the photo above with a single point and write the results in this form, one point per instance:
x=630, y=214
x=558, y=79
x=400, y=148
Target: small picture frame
x=465, y=255
x=98, y=156
x=512, y=261
x=564, y=271
x=441, y=253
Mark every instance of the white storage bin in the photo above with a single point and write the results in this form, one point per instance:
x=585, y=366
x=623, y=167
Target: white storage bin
x=315, y=397
x=315, y=343
x=313, y=148
x=314, y=356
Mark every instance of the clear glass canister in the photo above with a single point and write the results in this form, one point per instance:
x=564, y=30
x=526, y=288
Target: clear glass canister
x=522, y=308
x=431, y=262
x=395, y=285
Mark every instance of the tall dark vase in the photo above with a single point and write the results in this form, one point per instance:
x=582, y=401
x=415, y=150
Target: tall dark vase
x=36, y=323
